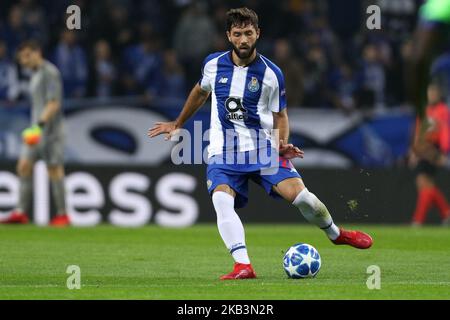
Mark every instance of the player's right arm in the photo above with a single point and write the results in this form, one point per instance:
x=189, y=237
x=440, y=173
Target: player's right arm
x=195, y=100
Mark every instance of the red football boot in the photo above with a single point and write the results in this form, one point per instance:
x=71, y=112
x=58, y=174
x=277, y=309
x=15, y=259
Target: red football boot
x=240, y=271
x=355, y=239
x=60, y=220
x=16, y=217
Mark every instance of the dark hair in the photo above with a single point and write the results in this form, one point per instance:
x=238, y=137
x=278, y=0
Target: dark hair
x=29, y=44
x=241, y=17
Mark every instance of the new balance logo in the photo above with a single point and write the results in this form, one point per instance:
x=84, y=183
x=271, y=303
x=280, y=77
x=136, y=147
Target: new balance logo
x=223, y=80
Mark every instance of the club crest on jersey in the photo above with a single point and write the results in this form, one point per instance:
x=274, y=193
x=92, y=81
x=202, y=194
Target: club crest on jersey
x=253, y=85
x=236, y=110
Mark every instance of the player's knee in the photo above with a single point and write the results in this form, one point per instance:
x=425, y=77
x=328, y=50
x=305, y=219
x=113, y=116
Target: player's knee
x=289, y=188
x=55, y=172
x=221, y=198
x=225, y=188
x=424, y=181
x=291, y=195
x=306, y=200
x=24, y=168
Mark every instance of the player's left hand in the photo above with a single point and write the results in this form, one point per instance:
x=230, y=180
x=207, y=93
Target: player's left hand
x=289, y=151
x=32, y=136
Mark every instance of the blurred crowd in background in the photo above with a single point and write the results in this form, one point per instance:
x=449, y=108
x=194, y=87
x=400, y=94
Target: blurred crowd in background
x=155, y=48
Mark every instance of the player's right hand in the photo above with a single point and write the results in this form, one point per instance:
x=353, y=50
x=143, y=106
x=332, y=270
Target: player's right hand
x=170, y=128
x=32, y=136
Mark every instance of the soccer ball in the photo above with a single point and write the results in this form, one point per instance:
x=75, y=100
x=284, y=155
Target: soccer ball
x=301, y=261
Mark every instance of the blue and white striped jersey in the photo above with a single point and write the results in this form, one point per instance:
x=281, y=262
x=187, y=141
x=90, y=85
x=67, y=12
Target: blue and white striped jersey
x=242, y=102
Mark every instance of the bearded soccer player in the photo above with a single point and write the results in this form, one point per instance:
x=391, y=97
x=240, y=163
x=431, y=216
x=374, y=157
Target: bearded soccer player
x=247, y=94
x=44, y=138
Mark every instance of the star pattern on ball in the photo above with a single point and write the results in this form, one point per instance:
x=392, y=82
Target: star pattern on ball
x=299, y=259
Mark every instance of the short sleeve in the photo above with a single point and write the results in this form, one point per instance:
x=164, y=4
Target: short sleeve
x=53, y=88
x=205, y=79
x=277, y=99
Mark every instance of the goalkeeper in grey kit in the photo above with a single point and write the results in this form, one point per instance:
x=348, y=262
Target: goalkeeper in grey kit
x=45, y=138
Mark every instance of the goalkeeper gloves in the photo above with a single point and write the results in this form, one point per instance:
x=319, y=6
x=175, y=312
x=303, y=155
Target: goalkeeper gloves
x=31, y=136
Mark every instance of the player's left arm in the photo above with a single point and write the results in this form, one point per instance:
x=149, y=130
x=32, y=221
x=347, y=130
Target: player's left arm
x=281, y=124
x=277, y=104
x=51, y=108
x=53, y=96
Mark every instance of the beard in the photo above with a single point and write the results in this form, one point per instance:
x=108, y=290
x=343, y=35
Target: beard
x=244, y=54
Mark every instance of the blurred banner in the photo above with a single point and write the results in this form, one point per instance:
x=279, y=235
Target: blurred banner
x=117, y=175
x=114, y=132
x=176, y=196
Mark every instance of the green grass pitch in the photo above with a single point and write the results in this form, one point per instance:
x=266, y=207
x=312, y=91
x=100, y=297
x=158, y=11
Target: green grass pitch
x=157, y=263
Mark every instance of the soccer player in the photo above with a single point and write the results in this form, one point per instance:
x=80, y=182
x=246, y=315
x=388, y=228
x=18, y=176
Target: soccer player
x=247, y=93
x=44, y=139
x=429, y=154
